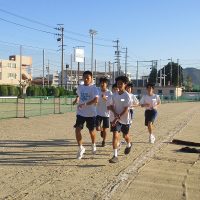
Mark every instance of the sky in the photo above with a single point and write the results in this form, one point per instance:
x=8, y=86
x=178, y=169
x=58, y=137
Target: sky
x=150, y=29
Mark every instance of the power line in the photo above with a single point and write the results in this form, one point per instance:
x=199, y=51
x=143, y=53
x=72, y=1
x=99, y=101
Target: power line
x=35, y=29
x=49, y=26
x=28, y=46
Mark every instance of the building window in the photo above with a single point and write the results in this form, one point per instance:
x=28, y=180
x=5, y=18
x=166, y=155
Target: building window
x=12, y=75
x=171, y=92
x=138, y=91
x=159, y=92
x=0, y=64
x=13, y=65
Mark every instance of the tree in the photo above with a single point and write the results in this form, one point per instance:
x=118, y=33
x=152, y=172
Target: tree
x=188, y=84
x=177, y=74
x=153, y=75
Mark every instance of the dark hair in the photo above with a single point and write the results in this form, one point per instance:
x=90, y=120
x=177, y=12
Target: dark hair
x=124, y=79
x=87, y=73
x=114, y=85
x=129, y=85
x=104, y=79
x=150, y=85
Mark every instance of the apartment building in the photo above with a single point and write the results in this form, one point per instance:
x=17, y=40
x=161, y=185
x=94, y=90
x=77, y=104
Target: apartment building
x=10, y=70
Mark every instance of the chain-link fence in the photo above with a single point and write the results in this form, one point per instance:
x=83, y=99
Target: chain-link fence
x=13, y=107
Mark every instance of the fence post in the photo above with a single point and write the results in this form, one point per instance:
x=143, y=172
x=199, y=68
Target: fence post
x=17, y=108
x=71, y=102
x=54, y=105
x=24, y=107
x=40, y=106
x=59, y=105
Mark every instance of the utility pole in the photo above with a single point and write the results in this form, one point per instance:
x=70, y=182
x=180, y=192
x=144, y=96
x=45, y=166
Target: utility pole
x=95, y=65
x=84, y=64
x=105, y=67
x=113, y=76
x=117, y=57
x=137, y=74
x=20, y=67
x=92, y=33
x=61, y=39
x=71, y=71
x=43, y=69
x=48, y=72
x=178, y=72
x=126, y=57
x=171, y=72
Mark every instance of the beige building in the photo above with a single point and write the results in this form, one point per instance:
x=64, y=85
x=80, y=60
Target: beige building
x=10, y=70
x=168, y=92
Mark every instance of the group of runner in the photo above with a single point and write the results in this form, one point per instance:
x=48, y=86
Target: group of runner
x=100, y=109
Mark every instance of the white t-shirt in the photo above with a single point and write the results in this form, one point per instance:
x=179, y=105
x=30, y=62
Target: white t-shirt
x=153, y=100
x=134, y=100
x=119, y=102
x=87, y=93
x=102, y=104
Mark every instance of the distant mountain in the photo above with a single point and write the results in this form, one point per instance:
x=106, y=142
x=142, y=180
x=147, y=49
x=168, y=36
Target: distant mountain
x=193, y=73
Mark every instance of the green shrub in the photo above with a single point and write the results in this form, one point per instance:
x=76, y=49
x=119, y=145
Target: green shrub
x=11, y=90
x=3, y=90
x=62, y=91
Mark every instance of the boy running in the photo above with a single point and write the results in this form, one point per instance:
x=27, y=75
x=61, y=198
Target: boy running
x=119, y=105
x=134, y=100
x=87, y=98
x=103, y=113
x=150, y=101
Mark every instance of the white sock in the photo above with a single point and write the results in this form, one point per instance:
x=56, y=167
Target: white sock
x=115, y=152
x=93, y=145
x=81, y=146
x=128, y=144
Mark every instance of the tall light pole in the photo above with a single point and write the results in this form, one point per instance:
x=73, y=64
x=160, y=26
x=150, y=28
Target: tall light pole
x=92, y=33
x=61, y=39
x=178, y=72
x=170, y=71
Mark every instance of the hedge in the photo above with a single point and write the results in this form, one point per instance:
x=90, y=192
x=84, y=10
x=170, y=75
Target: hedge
x=34, y=90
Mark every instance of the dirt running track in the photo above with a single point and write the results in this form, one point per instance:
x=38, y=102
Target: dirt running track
x=37, y=156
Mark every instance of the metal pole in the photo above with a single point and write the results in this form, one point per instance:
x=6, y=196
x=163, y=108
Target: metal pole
x=164, y=75
x=105, y=67
x=113, y=72
x=78, y=71
x=43, y=68
x=95, y=65
x=20, y=67
x=171, y=72
x=71, y=71
x=178, y=72
x=126, y=61
x=92, y=55
x=137, y=75
x=20, y=71
x=84, y=64
x=48, y=73
x=62, y=56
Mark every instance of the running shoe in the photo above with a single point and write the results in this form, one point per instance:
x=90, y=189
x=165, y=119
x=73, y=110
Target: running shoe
x=152, y=139
x=128, y=149
x=114, y=159
x=80, y=153
x=94, y=149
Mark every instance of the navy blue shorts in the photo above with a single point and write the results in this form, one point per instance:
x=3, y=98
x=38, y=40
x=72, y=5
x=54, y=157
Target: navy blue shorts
x=124, y=128
x=105, y=120
x=150, y=116
x=131, y=113
x=90, y=122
